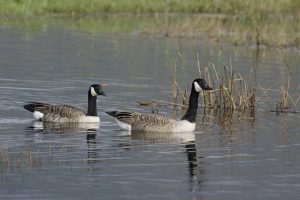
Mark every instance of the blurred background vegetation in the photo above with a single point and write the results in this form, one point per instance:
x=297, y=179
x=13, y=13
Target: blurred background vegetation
x=251, y=22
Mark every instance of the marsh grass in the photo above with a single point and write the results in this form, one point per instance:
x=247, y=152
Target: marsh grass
x=289, y=99
x=284, y=88
x=252, y=22
x=78, y=7
x=289, y=96
x=234, y=92
x=236, y=29
x=34, y=158
x=18, y=160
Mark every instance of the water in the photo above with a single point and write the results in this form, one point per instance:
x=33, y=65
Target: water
x=244, y=159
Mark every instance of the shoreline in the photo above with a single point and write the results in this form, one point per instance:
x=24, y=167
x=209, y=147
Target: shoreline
x=215, y=27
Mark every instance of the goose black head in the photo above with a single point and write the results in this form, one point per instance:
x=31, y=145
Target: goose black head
x=200, y=84
x=96, y=89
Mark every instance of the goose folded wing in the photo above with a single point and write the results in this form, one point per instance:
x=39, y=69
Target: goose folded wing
x=66, y=111
x=157, y=120
x=152, y=123
x=140, y=121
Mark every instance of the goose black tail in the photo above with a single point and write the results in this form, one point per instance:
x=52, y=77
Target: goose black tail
x=32, y=106
x=112, y=113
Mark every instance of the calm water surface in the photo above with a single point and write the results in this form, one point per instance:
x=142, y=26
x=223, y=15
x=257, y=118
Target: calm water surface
x=242, y=159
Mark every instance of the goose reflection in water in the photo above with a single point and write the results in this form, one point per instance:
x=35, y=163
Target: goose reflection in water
x=64, y=128
x=91, y=147
x=164, y=137
x=195, y=168
x=90, y=129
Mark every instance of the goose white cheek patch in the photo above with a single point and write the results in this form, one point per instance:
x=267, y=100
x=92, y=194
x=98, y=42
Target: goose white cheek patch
x=93, y=92
x=197, y=87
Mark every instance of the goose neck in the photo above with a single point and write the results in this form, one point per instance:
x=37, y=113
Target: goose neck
x=92, y=105
x=191, y=113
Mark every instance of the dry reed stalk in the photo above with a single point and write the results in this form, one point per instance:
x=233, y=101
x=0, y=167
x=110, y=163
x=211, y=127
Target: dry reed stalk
x=288, y=103
x=148, y=103
x=184, y=94
x=208, y=78
x=200, y=75
x=174, y=87
x=284, y=94
x=285, y=86
x=165, y=103
x=186, y=97
x=297, y=98
x=267, y=96
x=235, y=91
x=198, y=64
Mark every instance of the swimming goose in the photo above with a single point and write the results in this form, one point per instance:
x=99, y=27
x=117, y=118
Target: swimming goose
x=155, y=123
x=66, y=113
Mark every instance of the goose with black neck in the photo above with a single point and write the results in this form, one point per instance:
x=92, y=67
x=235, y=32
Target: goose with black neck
x=66, y=113
x=139, y=122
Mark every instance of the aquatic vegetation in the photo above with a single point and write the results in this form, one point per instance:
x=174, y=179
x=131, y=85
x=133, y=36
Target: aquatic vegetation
x=36, y=157
x=289, y=89
x=288, y=99
x=18, y=159
x=235, y=21
x=234, y=92
x=78, y=7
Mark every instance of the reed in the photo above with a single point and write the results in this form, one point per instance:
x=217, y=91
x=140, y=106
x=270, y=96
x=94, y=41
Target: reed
x=284, y=88
x=26, y=159
x=174, y=86
x=288, y=101
x=232, y=91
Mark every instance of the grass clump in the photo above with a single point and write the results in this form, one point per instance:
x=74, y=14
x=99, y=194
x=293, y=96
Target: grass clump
x=288, y=100
x=79, y=7
x=234, y=92
x=252, y=22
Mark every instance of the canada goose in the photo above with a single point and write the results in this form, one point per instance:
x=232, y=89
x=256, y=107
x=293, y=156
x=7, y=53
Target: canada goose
x=66, y=113
x=155, y=123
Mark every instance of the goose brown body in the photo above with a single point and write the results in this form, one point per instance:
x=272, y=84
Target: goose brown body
x=144, y=123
